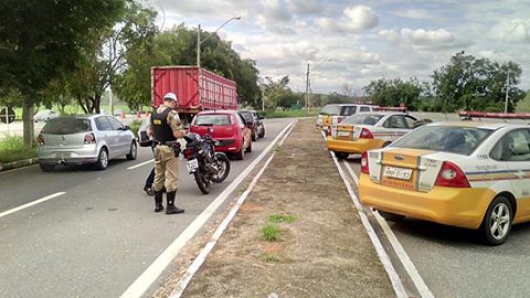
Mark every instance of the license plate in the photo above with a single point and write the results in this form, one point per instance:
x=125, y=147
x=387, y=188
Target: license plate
x=192, y=165
x=398, y=173
x=344, y=134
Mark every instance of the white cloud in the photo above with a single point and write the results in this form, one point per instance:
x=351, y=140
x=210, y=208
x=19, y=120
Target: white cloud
x=304, y=6
x=517, y=30
x=425, y=39
x=355, y=19
x=274, y=17
x=413, y=13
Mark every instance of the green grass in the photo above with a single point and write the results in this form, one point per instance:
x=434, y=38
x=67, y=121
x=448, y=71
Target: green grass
x=12, y=149
x=268, y=257
x=278, y=218
x=270, y=232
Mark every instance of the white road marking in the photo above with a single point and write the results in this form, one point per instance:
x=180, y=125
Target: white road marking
x=199, y=260
x=352, y=174
x=151, y=161
x=144, y=281
x=399, y=289
x=420, y=284
x=22, y=207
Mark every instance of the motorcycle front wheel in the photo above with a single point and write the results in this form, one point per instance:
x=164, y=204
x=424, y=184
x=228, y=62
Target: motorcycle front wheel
x=202, y=183
x=222, y=164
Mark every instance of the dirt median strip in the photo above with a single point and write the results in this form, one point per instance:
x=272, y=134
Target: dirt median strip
x=297, y=234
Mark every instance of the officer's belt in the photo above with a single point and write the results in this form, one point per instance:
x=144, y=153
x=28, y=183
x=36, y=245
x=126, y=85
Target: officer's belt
x=168, y=144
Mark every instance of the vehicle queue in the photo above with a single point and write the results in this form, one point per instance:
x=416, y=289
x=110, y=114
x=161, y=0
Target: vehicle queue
x=468, y=174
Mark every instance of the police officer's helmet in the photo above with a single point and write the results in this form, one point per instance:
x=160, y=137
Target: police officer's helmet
x=170, y=96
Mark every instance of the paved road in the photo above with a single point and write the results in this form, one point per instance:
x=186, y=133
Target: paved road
x=454, y=263
x=98, y=237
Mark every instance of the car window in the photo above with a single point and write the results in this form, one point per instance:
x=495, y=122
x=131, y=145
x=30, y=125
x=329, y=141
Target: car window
x=330, y=110
x=247, y=116
x=116, y=125
x=215, y=120
x=397, y=122
x=67, y=125
x=365, y=109
x=103, y=124
x=243, y=121
x=409, y=121
x=348, y=110
x=461, y=140
x=364, y=119
x=514, y=146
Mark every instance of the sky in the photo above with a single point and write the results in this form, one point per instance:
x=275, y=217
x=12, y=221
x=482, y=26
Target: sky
x=354, y=42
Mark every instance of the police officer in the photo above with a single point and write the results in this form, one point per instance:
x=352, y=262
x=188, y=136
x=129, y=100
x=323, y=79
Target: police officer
x=165, y=126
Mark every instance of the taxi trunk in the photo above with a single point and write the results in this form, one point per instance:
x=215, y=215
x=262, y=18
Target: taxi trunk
x=420, y=184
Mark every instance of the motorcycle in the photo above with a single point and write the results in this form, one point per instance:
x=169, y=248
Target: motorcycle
x=203, y=162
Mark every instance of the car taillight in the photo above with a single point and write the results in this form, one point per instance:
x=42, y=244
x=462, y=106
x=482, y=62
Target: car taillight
x=40, y=140
x=451, y=176
x=90, y=138
x=365, y=169
x=366, y=134
x=188, y=153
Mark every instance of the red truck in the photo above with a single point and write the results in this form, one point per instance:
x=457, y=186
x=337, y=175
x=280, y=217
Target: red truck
x=197, y=89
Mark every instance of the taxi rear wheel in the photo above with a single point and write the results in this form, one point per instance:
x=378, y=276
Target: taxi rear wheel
x=341, y=155
x=391, y=216
x=498, y=221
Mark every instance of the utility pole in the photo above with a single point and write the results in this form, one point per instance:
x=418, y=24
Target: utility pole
x=307, y=91
x=199, y=46
x=507, y=92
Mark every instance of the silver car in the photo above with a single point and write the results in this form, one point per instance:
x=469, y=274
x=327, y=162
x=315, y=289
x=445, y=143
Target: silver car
x=85, y=139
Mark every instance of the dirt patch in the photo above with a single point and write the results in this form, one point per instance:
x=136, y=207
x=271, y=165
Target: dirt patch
x=321, y=248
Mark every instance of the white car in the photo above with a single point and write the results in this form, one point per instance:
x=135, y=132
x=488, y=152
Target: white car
x=473, y=175
x=45, y=115
x=366, y=131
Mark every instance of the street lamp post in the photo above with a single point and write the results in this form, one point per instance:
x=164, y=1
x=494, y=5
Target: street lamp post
x=199, y=41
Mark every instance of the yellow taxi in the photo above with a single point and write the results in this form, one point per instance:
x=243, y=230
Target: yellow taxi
x=366, y=131
x=473, y=175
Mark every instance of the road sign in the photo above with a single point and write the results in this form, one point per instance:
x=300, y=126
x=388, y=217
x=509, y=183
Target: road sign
x=7, y=115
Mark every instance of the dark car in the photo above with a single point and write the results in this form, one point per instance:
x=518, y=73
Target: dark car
x=254, y=123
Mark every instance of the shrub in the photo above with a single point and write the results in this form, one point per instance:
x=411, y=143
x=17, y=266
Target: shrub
x=270, y=232
x=12, y=149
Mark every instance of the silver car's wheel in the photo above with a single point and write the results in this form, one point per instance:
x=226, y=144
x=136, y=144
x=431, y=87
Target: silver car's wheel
x=103, y=159
x=498, y=221
x=133, y=152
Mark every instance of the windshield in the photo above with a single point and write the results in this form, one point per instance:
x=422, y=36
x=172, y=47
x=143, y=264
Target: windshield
x=461, y=140
x=369, y=119
x=331, y=110
x=247, y=116
x=67, y=125
x=215, y=120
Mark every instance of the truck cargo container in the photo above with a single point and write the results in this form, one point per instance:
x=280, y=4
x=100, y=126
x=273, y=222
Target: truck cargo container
x=197, y=89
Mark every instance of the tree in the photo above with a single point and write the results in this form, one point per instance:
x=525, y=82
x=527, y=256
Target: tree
x=394, y=92
x=107, y=56
x=178, y=46
x=477, y=84
x=39, y=38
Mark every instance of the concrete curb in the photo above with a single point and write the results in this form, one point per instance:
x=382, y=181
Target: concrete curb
x=18, y=164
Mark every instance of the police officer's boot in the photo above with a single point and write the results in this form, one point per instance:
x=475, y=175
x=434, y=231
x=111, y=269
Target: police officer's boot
x=158, y=201
x=171, y=209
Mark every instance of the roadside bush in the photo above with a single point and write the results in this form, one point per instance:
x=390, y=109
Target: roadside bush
x=135, y=126
x=12, y=149
x=288, y=113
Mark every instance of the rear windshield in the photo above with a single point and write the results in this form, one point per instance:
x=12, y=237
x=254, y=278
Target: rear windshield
x=330, y=110
x=215, y=120
x=461, y=140
x=248, y=116
x=67, y=125
x=348, y=110
x=363, y=119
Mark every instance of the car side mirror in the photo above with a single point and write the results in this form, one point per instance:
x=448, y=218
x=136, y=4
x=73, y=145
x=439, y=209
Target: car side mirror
x=261, y=117
x=127, y=127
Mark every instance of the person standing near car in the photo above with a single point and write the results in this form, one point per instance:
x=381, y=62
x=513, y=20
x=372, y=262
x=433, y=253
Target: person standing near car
x=165, y=127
